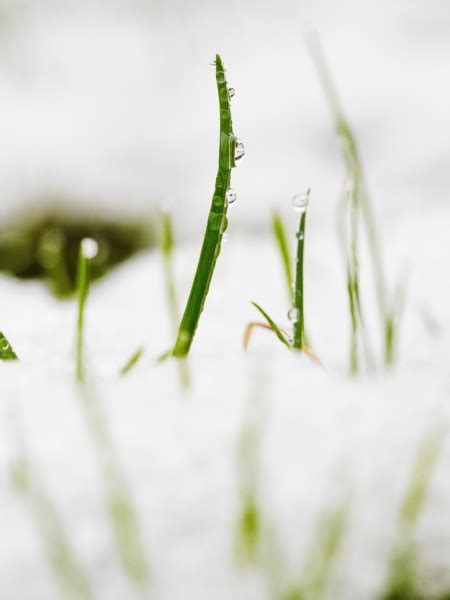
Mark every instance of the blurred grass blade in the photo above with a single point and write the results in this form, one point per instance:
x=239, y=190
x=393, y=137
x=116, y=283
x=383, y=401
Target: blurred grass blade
x=132, y=361
x=61, y=556
x=229, y=151
x=119, y=503
x=6, y=350
x=360, y=202
x=323, y=554
x=273, y=326
x=279, y=232
x=167, y=244
x=401, y=581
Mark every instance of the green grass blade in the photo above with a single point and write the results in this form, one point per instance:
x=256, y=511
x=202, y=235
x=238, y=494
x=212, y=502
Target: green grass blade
x=88, y=250
x=273, y=325
x=298, y=293
x=132, y=361
x=216, y=224
x=279, y=232
x=6, y=350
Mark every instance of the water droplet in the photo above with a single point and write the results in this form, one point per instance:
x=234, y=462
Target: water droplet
x=239, y=151
x=300, y=201
x=225, y=238
x=300, y=235
x=225, y=114
x=231, y=196
x=231, y=92
x=293, y=314
x=89, y=248
x=220, y=76
x=4, y=345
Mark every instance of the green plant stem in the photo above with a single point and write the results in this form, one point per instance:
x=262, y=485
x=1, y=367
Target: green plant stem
x=83, y=290
x=279, y=232
x=216, y=222
x=298, y=295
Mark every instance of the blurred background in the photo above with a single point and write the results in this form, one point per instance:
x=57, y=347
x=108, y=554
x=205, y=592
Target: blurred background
x=110, y=107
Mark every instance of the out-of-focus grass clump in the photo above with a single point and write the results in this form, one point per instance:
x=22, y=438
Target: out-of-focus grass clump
x=45, y=246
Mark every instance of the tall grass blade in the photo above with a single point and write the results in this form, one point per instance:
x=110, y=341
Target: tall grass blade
x=229, y=151
x=6, y=350
x=360, y=200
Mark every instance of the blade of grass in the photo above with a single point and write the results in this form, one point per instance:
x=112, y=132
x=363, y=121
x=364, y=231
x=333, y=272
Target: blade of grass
x=401, y=581
x=132, y=361
x=322, y=555
x=361, y=198
x=273, y=326
x=118, y=500
x=299, y=319
x=88, y=250
x=61, y=556
x=6, y=350
x=167, y=244
x=230, y=150
x=279, y=232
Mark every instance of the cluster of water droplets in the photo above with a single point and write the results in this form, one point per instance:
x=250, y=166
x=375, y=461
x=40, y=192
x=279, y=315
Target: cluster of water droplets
x=300, y=201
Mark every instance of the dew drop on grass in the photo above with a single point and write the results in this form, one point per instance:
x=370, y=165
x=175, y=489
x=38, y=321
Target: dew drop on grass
x=225, y=238
x=239, y=151
x=300, y=235
x=231, y=196
x=89, y=248
x=231, y=92
x=300, y=201
x=4, y=345
x=220, y=76
x=293, y=315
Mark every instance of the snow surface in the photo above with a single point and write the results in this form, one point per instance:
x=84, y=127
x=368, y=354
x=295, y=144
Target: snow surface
x=322, y=435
